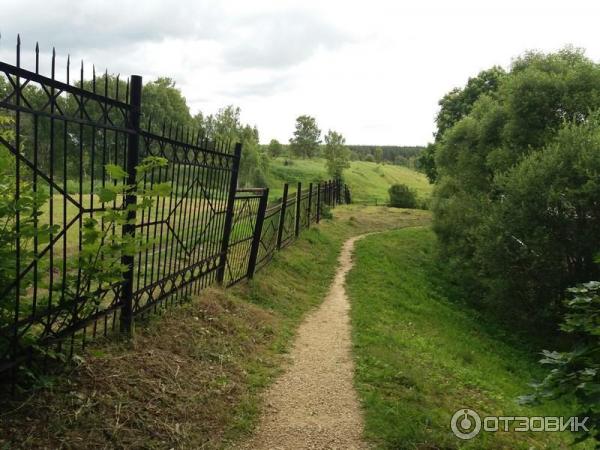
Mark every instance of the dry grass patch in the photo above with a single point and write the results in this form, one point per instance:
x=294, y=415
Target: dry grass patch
x=174, y=385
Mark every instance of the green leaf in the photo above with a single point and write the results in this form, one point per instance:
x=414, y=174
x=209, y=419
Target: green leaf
x=116, y=172
x=107, y=194
x=161, y=189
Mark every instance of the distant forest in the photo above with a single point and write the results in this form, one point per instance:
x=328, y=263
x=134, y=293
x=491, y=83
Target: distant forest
x=395, y=154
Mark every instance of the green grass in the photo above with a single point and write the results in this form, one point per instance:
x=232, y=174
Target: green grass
x=193, y=378
x=421, y=354
x=369, y=182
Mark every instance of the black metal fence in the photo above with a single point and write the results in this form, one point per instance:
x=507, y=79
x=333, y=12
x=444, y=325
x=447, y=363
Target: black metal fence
x=260, y=229
x=57, y=142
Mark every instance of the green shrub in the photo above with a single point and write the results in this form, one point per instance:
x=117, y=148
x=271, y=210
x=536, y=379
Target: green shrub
x=401, y=196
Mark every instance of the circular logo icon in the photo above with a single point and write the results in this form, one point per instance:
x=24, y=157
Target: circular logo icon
x=465, y=424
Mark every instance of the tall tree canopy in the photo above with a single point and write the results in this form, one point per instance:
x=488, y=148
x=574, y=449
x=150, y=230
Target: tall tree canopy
x=337, y=155
x=275, y=148
x=515, y=201
x=307, y=137
x=164, y=103
x=455, y=105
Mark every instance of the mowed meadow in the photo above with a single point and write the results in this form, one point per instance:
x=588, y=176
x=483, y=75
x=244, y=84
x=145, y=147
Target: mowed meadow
x=369, y=181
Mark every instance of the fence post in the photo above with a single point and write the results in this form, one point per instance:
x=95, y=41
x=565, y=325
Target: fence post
x=318, y=202
x=282, y=215
x=331, y=196
x=336, y=192
x=310, y=194
x=298, y=201
x=229, y=212
x=260, y=219
x=333, y=193
x=133, y=155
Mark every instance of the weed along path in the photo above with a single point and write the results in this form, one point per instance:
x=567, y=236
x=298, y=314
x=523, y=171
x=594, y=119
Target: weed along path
x=313, y=405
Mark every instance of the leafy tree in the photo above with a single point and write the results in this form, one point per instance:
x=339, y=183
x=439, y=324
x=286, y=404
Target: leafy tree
x=165, y=103
x=544, y=232
x=514, y=199
x=426, y=163
x=401, y=196
x=370, y=158
x=378, y=154
x=307, y=137
x=400, y=160
x=337, y=155
x=226, y=126
x=456, y=105
x=459, y=102
x=275, y=148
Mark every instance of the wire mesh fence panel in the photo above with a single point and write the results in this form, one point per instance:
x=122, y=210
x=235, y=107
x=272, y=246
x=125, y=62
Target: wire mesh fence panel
x=268, y=237
x=304, y=211
x=313, y=204
x=242, y=232
x=288, y=232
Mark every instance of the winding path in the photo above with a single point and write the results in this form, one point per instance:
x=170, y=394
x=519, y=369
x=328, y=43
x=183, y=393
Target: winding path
x=314, y=405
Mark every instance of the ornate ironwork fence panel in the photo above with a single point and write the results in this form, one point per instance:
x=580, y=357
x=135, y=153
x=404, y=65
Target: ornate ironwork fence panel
x=58, y=140
x=70, y=153
x=57, y=137
x=185, y=229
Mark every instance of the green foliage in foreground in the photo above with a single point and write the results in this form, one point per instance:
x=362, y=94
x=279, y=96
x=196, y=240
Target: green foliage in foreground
x=421, y=354
x=401, y=196
x=98, y=264
x=577, y=372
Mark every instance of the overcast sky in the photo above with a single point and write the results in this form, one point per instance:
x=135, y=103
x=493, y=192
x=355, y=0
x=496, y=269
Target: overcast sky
x=373, y=70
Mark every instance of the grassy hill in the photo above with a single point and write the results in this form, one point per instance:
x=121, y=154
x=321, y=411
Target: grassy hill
x=369, y=181
x=422, y=353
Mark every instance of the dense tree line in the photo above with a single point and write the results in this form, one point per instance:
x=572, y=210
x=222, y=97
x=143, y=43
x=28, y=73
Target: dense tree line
x=516, y=161
x=164, y=110
x=393, y=154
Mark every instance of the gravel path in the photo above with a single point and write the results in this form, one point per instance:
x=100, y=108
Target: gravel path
x=313, y=405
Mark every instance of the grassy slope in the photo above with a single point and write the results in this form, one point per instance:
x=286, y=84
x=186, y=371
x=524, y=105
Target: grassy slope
x=421, y=356
x=368, y=181
x=192, y=378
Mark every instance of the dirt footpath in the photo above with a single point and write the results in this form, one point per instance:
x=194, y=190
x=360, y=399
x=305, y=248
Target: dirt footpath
x=313, y=405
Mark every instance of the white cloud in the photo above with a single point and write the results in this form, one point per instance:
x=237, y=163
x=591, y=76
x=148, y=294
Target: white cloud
x=372, y=70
